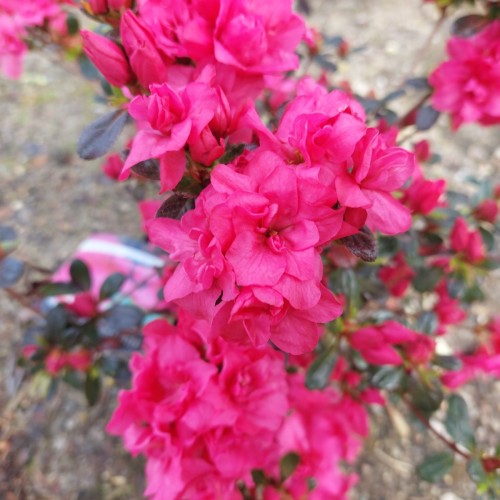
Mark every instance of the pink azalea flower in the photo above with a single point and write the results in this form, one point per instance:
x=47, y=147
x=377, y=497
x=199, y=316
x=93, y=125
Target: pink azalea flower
x=168, y=120
x=467, y=242
x=467, y=85
x=376, y=343
x=397, y=275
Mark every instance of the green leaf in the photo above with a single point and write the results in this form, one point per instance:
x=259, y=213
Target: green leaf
x=58, y=288
x=387, y=246
x=259, y=476
x=363, y=244
x=488, y=239
x=473, y=293
x=476, y=470
x=111, y=285
x=175, y=206
x=448, y=362
x=434, y=467
x=427, y=322
x=72, y=24
x=319, y=372
x=98, y=137
x=427, y=398
x=56, y=322
x=288, y=464
x=80, y=274
x=426, y=117
x=426, y=279
x=388, y=377
x=457, y=422
x=93, y=387
x=351, y=289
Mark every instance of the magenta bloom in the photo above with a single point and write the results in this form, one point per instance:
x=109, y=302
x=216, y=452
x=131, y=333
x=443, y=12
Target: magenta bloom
x=257, y=37
x=467, y=242
x=203, y=415
x=375, y=343
x=468, y=85
x=250, y=253
x=167, y=121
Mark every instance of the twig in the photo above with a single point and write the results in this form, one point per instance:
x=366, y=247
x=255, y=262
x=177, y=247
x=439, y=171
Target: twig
x=427, y=424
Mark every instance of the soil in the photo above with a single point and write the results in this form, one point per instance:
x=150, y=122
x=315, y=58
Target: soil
x=57, y=448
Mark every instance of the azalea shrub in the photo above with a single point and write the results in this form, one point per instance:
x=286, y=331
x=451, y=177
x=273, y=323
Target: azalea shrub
x=300, y=263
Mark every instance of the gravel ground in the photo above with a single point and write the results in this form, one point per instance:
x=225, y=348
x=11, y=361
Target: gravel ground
x=57, y=449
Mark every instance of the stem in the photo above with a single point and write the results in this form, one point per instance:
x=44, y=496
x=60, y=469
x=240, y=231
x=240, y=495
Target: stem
x=427, y=424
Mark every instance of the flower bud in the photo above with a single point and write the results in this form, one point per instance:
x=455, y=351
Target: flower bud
x=108, y=57
x=138, y=42
x=487, y=210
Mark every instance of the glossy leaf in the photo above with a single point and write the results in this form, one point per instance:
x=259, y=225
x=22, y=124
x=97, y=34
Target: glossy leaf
x=457, y=422
x=288, y=464
x=434, y=467
x=319, y=372
x=363, y=245
x=175, y=206
x=80, y=274
x=98, y=137
x=111, y=285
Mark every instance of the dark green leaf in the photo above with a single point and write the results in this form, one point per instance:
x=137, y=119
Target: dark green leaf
x=426, y=117
x=388, y=377
x=427, y=398
x=175, y=206
x=469, y=25
x=387, y=246
x=426, y=279
x=448, y=362
x=319, y=372
x=391, y=96
x=351, y=289
x=288, y=464
x=473, y=293
x=122, y=318
x=419, y=83
x=488, y=239
x=325, y=63
x=87, y=68
x=363, y=244
x=457, y=422
x=434, y=467
x=72, y=24
x=232, y=152
x=93, y=387
x=58, y=288
x=259, y=476
x=149, y=169
x=80, y=274
x=56, y=322
x=456, y=286
x=476, y=470
x=427, y=322
x=98, y=137
x=111, y=285
x=11, y=271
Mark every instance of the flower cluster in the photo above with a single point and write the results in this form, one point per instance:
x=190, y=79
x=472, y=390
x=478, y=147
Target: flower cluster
x=19, y=16
x=467, y=85
x=206, y=412
x=249, y=252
